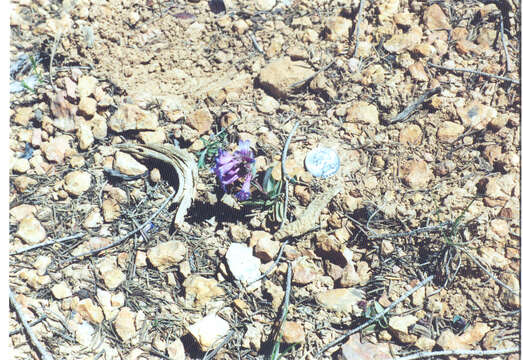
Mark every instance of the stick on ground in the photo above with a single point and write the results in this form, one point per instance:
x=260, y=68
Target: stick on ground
x=44, y=355
x=47, y=243
x=427, y=354
x=375, y=318
x=481, y=73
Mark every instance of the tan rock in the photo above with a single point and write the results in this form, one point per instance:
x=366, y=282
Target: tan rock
x=200, y=120
x=41, y=264
x=87, y=106
x=127, y=164
x=20, y=165
x=131, y=117
x=305, y=271
x=113, y=278
x=56, y=148
x=424, y=49
x=293, y=333
x=435, y=18
x=199, y=290
x=465, y=46
x=111, y=210
x=450, y=341
x=166, y=254
x=264, y=5
x=476, y=115
x=337, y=28
x=240, y=26
x=89, y=311
x=411, y=134
x=362, y=113
x=276, y=292
x=61, y=291
x=153, y=137
x=459, y=33
x=86, y=86
x=98, y=126
x=277, y=77
x=85, y=136
x=23, y=115
x=31, y=231
x=267, y=104
x=424, y=343
x=416, y=174
x=449, y=131
x=124, y=324
x=402, y=323
x=93, y=219
x=209, y=330
x=266, y=248
x=401, y=42
x=387, y=10
x=417, y=71
x=508, y=298
x=32, y=278
x=340, y=300
x=77, y=182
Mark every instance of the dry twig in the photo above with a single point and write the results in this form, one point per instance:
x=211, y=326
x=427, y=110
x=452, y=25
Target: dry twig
x=426, y=354
x=480, y=73
x=499, y=282
x=375, y=318
x=503, y=42
x=413, y=232
x=44, y=355
x=47, y=243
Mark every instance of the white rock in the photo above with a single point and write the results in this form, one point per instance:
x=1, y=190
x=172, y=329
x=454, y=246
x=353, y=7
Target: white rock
x=209, y=330
x=243, y=265
x=128, y=165
x=31, y=231
x=402, y=323
x=84, y=334
x=175, y=350
x=61, y=291
x=86, y=86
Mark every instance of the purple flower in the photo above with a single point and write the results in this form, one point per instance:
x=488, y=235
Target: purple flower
x=230, y=168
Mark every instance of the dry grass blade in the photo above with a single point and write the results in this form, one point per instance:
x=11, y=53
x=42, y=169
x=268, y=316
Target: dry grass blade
x=182, y=162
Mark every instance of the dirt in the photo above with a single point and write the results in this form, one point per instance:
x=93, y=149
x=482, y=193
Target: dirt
x=434, y=193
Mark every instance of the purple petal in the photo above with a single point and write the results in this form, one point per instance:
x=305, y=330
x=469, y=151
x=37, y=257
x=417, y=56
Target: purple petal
x=245, y=191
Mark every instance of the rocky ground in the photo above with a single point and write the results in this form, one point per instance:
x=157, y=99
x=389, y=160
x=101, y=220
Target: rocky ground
x=421, y=219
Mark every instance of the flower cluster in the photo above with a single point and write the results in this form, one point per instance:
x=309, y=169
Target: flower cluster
x=236, y=166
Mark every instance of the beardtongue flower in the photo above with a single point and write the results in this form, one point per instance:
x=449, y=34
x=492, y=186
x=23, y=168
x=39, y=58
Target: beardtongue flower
x=239, y=165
